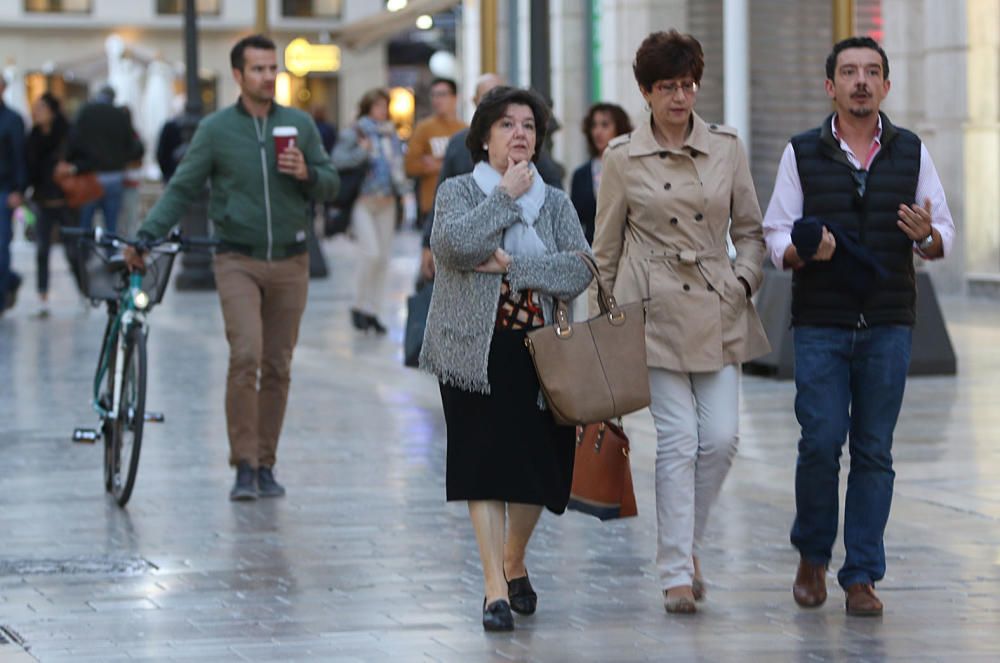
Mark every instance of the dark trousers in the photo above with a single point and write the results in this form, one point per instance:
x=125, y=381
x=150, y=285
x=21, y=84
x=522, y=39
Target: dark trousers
x=6, y=237
x=51, y=219
x=849, y=383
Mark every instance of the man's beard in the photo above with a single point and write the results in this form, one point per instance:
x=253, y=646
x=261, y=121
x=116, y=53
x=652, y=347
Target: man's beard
x=861, y=112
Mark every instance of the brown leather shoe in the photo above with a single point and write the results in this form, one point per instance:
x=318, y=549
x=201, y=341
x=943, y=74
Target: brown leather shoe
x=809, y=589
x=679, y=601
x=862, y=601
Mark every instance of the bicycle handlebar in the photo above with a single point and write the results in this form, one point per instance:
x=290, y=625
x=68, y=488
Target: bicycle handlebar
x=101, y=237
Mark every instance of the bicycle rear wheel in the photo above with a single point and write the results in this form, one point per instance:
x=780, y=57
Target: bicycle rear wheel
x=128, y=426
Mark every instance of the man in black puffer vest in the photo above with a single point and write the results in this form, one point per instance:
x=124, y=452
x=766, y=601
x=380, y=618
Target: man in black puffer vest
x=875, y=184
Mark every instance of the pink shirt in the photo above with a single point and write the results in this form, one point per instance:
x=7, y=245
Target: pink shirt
x=785, y=207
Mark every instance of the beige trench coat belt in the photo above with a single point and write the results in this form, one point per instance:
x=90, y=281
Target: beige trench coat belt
x=713, y=264
x=686, y=256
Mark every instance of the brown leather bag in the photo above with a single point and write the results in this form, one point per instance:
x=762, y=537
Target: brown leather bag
x=594, y=370
x=602, y=475
x=80, y=189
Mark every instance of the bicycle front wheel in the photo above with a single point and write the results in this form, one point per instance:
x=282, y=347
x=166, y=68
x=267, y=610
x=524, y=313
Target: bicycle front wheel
x=131, y=416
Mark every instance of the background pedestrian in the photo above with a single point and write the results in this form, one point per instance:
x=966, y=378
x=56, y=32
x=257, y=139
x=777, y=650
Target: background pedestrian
x=13, y=181
x=372, y=142
x=46, y=147
x=603, y=122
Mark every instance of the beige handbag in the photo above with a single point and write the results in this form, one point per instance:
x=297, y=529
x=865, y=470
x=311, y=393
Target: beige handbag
x=594, y=370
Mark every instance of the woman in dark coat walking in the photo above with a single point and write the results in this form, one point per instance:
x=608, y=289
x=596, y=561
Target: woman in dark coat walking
x=45, y=147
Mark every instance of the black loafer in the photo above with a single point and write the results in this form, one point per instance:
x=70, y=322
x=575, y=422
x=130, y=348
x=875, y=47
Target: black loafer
x=497, y=617
x=523, y=599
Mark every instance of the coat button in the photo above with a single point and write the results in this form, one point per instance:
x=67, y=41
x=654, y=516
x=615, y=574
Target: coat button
x=713, y=127
x=711, y=289
x=673, y=221
x=686, y=287
x=666, y=187
x=693, y=153
x=699, y=216
x=663, y=155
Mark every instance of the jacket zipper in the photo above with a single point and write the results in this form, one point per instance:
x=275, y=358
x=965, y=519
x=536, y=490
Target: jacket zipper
x=261, y=135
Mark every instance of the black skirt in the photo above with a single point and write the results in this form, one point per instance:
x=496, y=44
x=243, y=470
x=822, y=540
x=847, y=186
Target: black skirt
x=501, y=446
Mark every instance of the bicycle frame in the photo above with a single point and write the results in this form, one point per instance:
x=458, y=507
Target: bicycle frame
x=127, y=315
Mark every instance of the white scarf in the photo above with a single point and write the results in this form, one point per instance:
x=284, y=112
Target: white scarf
x=520, y=239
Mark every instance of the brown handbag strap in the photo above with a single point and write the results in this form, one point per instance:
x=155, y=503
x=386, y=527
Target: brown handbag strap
x=605, y=300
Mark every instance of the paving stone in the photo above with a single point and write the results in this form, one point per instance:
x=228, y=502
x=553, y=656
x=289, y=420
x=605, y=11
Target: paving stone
x=364, y=561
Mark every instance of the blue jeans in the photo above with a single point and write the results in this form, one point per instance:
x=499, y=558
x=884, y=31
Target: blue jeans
x=848, y=382
x=110, y=203
x=6, y=237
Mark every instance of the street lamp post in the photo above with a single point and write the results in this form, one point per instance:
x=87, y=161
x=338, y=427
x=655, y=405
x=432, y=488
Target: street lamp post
x=196, y=268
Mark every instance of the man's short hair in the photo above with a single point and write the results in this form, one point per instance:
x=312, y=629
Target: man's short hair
x=492, y=107
x=855, y=42
x=446, y=81
x=106, y=94
x=666, y=55
x=261, y=42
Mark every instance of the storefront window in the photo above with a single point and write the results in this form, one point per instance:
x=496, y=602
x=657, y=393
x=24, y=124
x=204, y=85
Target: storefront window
x=311, y=8
x=58, y=6
x=170, y=7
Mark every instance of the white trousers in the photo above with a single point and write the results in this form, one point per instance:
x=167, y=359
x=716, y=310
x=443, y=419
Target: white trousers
x=697, y=432
x=374, y=223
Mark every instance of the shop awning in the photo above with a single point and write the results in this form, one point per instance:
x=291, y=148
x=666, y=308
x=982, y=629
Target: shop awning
x=371, y=29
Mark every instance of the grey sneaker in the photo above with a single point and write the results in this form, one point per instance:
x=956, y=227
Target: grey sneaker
x=266, y=485
x=245, y=487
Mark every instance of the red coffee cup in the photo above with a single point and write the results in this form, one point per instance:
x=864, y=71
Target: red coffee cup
x=284, y=137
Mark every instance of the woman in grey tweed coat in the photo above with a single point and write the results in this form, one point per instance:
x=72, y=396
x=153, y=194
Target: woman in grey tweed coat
x=505, y=247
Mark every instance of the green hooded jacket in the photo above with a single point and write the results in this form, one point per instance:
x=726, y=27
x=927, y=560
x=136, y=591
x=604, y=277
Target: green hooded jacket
x=250, y=204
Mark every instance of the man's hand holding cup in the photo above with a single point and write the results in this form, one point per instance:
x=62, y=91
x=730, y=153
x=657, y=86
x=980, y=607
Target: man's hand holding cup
x=290, y=158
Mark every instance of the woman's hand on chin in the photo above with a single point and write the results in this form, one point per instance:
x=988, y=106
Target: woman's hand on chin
x=517, y=180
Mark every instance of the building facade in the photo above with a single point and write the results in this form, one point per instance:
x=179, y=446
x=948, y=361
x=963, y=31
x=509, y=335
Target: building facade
x=61, y=44
x=944, y=67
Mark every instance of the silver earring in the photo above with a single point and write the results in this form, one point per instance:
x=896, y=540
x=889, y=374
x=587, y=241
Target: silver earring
x=486, y=147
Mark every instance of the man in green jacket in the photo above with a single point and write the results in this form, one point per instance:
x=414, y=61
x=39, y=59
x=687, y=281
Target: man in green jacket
x=259, y=206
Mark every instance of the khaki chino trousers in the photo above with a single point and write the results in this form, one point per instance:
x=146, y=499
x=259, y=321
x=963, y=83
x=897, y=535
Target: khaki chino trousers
x=262, y=305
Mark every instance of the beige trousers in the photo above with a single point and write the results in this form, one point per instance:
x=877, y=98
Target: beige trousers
x=374, y=222
x=262, y=305
x=697, y=432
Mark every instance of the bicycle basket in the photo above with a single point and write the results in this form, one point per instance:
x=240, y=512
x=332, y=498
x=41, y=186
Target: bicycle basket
x=104, y=278
x=157, y=276
x=99, y=277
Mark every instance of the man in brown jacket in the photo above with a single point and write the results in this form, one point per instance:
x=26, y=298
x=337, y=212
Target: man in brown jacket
x=425, y=153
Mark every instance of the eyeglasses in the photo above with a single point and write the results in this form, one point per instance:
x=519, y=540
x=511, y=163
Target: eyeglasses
x=670, y=89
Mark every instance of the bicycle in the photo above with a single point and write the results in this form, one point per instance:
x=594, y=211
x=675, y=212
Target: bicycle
x=119, y=387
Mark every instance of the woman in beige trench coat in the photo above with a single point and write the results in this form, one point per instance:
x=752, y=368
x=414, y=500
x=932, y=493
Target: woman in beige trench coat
x=667, y=194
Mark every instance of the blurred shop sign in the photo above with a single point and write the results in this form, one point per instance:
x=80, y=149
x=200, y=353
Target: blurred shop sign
x=302, y=58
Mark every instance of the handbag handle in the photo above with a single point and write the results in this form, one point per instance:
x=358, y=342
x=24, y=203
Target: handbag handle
x=605, y=302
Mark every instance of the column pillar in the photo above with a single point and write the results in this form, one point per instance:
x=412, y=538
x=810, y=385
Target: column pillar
x=736, y=65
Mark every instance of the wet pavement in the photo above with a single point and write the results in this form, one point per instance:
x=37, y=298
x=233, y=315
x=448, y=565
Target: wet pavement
x=364, y=561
